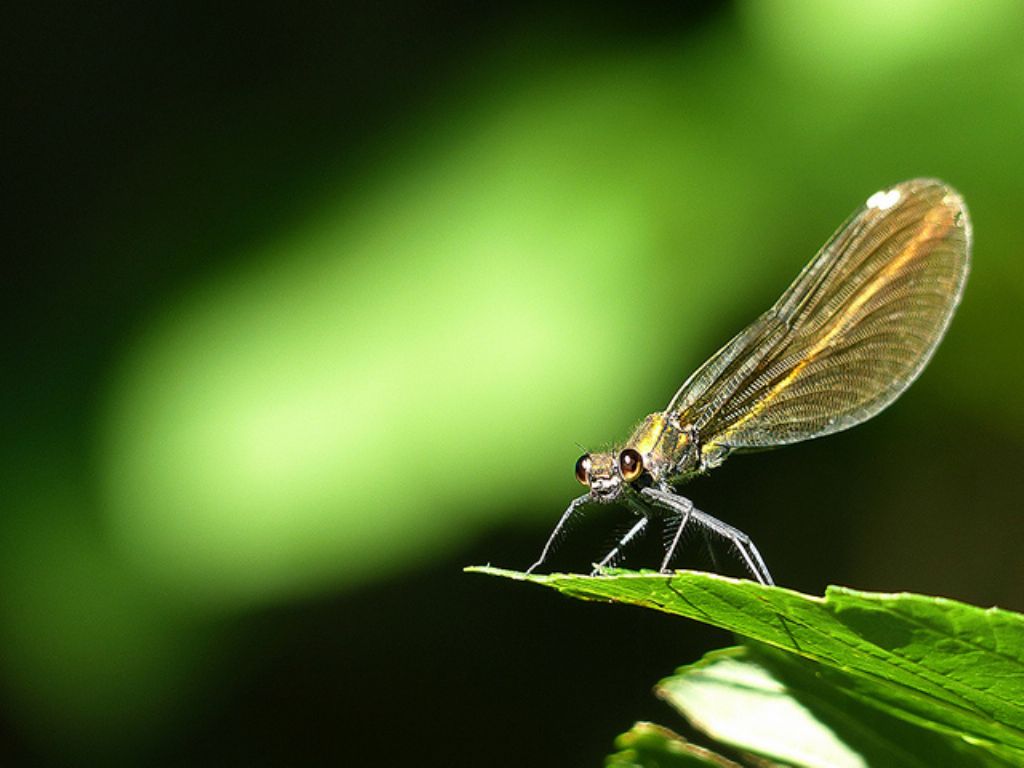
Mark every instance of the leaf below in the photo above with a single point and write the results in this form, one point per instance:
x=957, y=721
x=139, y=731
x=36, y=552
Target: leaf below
x=946, y=666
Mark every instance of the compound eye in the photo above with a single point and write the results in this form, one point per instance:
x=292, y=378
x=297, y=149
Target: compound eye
x=583, y=469
x=631, y=465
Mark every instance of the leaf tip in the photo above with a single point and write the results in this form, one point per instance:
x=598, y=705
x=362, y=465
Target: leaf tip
x=490, y=570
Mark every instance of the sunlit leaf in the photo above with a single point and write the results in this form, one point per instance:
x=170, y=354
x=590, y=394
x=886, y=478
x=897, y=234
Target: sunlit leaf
x=778, y=705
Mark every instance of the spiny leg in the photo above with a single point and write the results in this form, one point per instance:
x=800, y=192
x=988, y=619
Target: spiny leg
x=710, y=550
x=684, y=518
x=742, y=542
x=559, y=529
x=682, y=506
x=751, y=557
x=631, y=534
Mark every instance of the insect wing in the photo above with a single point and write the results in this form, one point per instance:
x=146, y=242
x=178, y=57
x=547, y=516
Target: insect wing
x=849, y=335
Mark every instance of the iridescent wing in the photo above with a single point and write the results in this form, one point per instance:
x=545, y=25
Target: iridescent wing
x=848, y=336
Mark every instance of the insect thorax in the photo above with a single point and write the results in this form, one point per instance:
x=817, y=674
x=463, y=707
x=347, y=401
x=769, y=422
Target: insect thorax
x=671, y=450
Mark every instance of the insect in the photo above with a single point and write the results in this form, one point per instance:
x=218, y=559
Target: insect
x=850, y=334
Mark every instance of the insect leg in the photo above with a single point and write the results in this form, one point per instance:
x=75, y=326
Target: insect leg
x=631, y=534
x=559, y=531
x=711, y=550
x=751, y=557
x=684, y=507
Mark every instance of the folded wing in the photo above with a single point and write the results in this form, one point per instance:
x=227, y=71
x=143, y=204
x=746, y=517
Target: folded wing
x=849, y=335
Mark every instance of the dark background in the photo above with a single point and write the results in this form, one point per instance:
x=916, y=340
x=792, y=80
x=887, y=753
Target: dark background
x=558, y=213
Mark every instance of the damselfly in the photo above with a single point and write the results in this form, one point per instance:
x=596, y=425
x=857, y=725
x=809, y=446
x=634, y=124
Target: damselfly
x=849, y=335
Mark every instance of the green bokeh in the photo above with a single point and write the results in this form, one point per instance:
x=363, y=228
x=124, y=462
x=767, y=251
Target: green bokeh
x=385, y=379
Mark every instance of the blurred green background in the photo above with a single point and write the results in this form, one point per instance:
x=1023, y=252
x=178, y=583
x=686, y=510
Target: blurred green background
x=312, y=307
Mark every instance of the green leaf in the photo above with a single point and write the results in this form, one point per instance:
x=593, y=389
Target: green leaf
x=937, y=663
x=857, y=706
x=775, y=704
x=647, y=745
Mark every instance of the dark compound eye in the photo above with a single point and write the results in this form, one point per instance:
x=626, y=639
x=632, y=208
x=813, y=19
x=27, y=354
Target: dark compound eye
x=631, y=465
x=583, y=469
